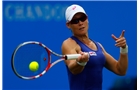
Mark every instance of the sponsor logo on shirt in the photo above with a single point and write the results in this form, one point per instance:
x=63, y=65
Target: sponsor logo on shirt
x=92, y=53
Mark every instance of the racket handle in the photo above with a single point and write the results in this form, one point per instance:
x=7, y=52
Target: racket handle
x=72, y=56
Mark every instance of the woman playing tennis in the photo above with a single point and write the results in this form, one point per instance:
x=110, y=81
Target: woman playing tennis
x=85, y=73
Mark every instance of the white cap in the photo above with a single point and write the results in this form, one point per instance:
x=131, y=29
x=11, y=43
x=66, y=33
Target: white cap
x=72, y=10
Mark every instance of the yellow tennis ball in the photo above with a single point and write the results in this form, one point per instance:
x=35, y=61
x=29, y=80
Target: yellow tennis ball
x=33, y=66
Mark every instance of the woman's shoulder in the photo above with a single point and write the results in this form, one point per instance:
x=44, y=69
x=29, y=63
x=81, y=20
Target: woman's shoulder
x=69, y=41
x=71, y=44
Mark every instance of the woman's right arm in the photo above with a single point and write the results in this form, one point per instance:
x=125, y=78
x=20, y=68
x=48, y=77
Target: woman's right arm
x=71, y=47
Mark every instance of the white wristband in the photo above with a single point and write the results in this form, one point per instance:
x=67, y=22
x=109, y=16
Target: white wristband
x=82, y=63
x=124, y=50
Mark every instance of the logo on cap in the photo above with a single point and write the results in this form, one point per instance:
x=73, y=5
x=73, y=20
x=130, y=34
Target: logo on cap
x=73, y=7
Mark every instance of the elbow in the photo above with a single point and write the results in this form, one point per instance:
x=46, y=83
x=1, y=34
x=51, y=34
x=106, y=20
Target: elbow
x=122, y=73
x=75, y=72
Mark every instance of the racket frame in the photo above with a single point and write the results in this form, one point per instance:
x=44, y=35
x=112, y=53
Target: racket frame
x=49, y=51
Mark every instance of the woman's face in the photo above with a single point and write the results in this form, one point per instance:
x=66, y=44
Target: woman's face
x=79, y=24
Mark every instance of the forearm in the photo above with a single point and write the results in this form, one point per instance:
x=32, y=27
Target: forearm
x=75, y=68
x=123, y=64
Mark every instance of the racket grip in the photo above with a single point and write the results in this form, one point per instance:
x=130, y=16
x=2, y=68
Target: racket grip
x=72, y=56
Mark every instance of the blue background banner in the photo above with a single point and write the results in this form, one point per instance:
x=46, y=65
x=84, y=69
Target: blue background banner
x=44, y=21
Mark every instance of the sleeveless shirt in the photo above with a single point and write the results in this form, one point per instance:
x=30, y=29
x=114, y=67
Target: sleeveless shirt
x=91, y=77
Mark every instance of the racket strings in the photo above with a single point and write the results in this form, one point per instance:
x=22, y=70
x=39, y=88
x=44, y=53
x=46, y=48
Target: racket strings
x=25, y=55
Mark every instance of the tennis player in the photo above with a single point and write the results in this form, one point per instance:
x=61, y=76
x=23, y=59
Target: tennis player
x=85, y=73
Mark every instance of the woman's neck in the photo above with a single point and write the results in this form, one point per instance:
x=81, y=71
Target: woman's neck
x=83, y=38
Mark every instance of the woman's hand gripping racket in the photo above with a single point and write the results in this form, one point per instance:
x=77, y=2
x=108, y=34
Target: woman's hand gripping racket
x=32, y=59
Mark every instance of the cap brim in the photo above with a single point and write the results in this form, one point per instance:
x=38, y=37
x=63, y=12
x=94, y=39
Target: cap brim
x=72, y=15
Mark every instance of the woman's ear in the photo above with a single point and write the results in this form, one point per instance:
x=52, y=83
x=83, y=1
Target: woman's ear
x=68, y=25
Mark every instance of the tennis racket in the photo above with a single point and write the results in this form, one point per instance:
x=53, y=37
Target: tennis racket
x=29, y=51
